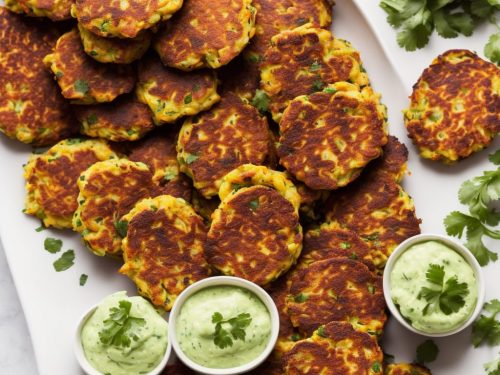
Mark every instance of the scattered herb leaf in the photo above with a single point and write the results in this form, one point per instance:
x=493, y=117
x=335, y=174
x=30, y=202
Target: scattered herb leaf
x=40, y=228
x=486, y=329
x=66, y=260
x=83, y=279
x=427, y=352
x=52, y=245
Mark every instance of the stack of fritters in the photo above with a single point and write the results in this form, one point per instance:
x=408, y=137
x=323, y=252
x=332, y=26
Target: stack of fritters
x=239, y=124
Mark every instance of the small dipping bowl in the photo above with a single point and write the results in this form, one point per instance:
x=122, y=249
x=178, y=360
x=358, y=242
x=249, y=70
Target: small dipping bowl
x=88, y=368
x=224, y=281
x=461, y=250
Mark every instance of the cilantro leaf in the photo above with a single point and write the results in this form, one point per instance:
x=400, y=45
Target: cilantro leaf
x=427, y=352
x=66, y=260
x=486, y=329
x=492, y=48
x=261, y=101
x=121, y=228
x=52, y=245
x=227, y=330
x=412, y=38
x=83, y=279
x=493, y=367
x=495, y=157
x=120, y=328
x=449, y=295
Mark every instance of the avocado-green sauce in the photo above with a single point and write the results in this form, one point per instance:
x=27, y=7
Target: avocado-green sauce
x=408, y=276
x=142, y=356
x=195, y=330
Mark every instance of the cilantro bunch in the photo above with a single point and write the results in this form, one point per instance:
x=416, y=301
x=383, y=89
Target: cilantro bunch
x=478, y=194
x=416, y=20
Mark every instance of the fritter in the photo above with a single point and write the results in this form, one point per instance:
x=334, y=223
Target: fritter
x=206, y=36
x=330, y=240
x=379, y=210
x=309, y=200
x=241, y=77
x=108, y=190
x=51, y=179
x=13, y=6
x=305, y=60
x=56, y=10
x=114, y=50
x=392, y=163
x=249, y=175
x=327, y=138
x=255, y=234
x=81, y=78
x=124, y=119
x=455, y=106
x=171, y=94
x=164, y=248
x=122, y=19
x=335, y=349
x=406, y=369
x=215, y=142
x=31, y=108
x=337, y=289
x=274, y=16
x=158, y=152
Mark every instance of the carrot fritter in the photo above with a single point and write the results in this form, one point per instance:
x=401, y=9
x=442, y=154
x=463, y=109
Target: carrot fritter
x=124, y=119
x=455, y=106
x=81, y=78
x=51, y=179
x=214, y=143
x=31, y=107
x=108, y=190
x=335, y=349
x=337, y=289
x=171, y=94
x=327, y=138
x=303, y=61
x=255, y=234
x=122, y=19
x=206, y=36
x=164, y=248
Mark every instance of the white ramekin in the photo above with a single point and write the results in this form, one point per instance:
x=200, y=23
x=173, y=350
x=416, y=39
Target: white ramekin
x=84, y=363
x=460, y=249
x=222, y=281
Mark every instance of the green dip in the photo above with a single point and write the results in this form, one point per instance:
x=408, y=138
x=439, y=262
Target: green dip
x=142, y=355
x=408, y=276
x=195, y=330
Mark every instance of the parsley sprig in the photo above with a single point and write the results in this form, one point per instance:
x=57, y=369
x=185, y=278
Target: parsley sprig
x=120, y=328
x=235, y=329
x=478, y=194
x=448, y=296
x=416, y=20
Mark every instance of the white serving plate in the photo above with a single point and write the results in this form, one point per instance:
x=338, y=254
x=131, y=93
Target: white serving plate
x=52, y=301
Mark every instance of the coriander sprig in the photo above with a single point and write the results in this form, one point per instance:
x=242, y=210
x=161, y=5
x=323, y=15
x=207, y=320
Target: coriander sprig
x=224, y=337
x=120, y=328
x=486, y=329
x=448, y=296
x=478, y=194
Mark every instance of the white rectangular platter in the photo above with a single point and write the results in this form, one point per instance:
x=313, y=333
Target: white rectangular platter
x=53, y=302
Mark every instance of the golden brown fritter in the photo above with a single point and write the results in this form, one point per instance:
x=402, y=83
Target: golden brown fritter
x=114, y=50
x=255, y=234
x=274, y=16
x=327, y=138
x=108, y=190
x=406, y=369
x=84, y=80
x=379, y=210
x=31, y=108
x=124, y=119
x=335, y=349
x=202, y=35
x=303, y=61
x=51, y=179
x=337, y=289
x=56, y=10
x=330, y=240
x=215, y=142
x=122, y=19
x=164, y=248
x=171, y=94
x=455, y=106
x=158, y=152
x=241, y=77
x=392, y=163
